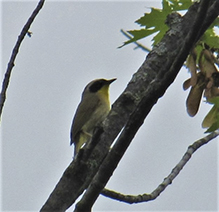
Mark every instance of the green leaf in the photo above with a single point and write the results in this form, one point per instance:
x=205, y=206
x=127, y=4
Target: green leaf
x=166, y=6
x=155, y=20
x=210, y=38
x=214, y=101
x=178, y=5
x=138, y=34
x=212, y=118
x=213, y=127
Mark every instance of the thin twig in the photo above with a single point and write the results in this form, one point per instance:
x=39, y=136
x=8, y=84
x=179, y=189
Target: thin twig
x=167, y=181
x=15, y=50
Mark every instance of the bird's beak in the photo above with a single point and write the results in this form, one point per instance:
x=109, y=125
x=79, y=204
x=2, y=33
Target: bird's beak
x=111, y=80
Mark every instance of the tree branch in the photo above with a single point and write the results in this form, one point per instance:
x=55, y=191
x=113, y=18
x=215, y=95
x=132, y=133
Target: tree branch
x=167, y=181
x=15, y=50
x=158, y=86
x=148, y=84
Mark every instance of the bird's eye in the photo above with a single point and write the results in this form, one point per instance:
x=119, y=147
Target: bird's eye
x=96, y=86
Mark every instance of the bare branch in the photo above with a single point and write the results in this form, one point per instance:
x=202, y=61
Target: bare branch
x=167, y=181
x=15, y=50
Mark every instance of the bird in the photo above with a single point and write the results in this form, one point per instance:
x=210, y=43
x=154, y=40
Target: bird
x=91, y=111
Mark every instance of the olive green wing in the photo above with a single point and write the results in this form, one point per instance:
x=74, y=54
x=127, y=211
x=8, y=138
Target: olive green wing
x=82, y=115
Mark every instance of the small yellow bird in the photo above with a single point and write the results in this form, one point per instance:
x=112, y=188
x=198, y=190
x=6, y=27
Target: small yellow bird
x=92, y=110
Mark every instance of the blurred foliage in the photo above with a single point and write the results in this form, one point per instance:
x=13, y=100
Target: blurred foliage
x=154, y=22
x=204, y=81
x=202, y=62
x=211, y=120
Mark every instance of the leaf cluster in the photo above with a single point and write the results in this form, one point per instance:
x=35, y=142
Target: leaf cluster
x=212, y=118
x=200, y=66
x=204, y=80
x=206, y=62
x=154, y=22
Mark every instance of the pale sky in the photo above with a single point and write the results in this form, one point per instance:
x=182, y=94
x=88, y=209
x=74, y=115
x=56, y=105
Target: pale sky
x=74, y=42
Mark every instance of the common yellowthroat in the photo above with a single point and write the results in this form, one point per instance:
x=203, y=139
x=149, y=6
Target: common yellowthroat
x=92, y=110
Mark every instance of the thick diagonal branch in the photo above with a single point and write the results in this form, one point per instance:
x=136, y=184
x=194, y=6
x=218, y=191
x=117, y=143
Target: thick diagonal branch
x=158, y=86
x=149, y=83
